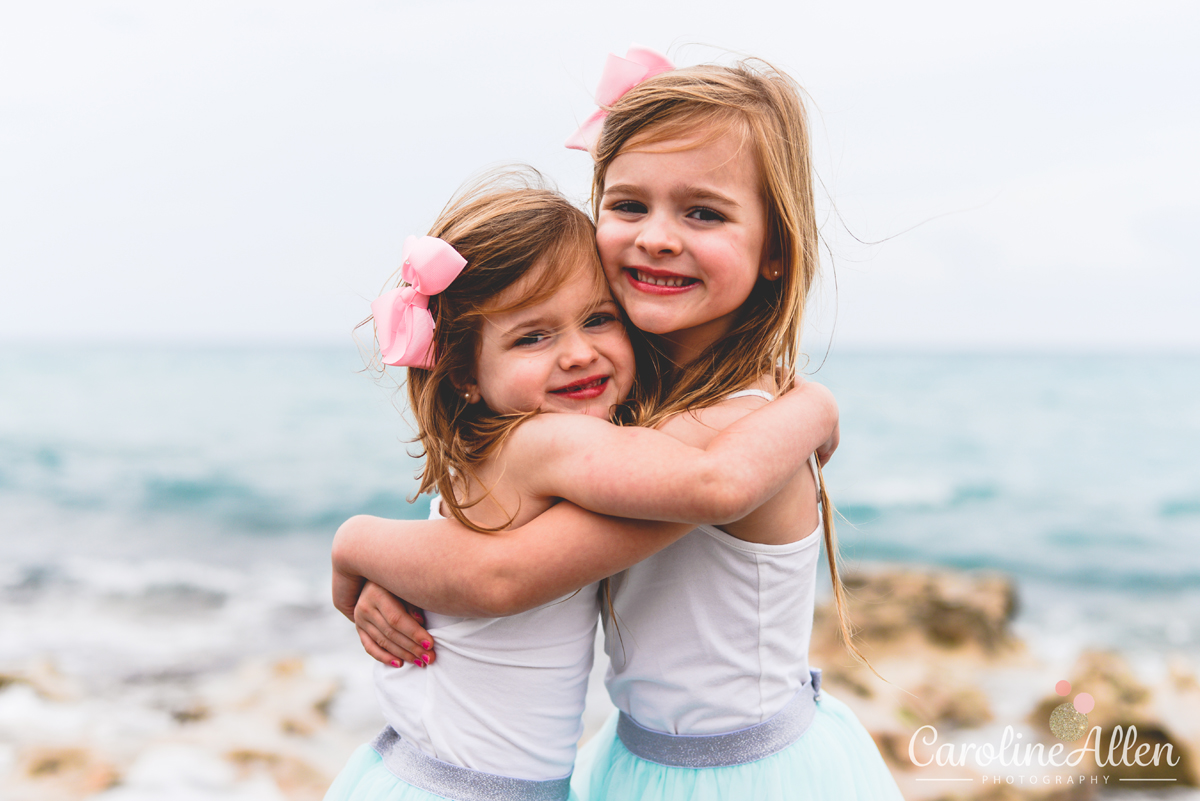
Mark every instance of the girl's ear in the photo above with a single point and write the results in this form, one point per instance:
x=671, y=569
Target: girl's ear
x=467, y=389
x=771, y=269
x=771, y=266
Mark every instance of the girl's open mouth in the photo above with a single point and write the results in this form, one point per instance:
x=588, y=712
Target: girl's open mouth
x=659, y=283
x=583, y=390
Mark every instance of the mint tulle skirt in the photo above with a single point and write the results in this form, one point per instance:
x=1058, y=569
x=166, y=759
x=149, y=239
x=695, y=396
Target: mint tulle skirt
x=366, y=778
x=834, y=760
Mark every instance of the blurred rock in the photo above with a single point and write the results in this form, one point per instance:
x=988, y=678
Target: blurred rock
x=947, y=699
x=894, y=607
x=295, y=777
x=43, y=677
x=50, y=773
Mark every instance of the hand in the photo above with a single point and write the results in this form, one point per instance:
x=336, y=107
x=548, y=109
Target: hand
x=825, y=451
x=390, y=629
x=346, y=588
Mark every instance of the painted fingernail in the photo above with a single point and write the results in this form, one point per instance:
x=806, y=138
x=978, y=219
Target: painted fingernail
x=426, y=644
x=425, y=658
x=395, y=663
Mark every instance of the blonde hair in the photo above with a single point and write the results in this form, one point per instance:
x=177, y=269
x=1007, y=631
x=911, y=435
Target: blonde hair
x=762, y=106
x=507, y=226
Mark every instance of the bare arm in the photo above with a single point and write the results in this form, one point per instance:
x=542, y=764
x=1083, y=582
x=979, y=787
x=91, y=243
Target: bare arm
x=650, y=475
x=444, y=566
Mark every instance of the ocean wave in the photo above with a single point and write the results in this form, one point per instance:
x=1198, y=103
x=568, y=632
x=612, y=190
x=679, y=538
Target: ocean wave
x=151, y=485
x=1180, y=507
x=1120, y=579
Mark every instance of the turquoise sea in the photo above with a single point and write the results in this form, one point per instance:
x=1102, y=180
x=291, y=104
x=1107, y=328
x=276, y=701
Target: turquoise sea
x=139, y=482
x=166, y=512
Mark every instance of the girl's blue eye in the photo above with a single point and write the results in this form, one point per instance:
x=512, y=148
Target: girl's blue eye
x=705, y=215
x=529, y=339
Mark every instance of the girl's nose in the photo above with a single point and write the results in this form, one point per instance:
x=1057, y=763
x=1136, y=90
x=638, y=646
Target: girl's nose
x=575, y=350
x=658, y=236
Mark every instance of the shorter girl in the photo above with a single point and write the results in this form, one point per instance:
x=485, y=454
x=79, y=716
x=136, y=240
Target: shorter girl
x=504, y=313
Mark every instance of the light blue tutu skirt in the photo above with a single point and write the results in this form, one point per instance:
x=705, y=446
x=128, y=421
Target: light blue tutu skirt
x=834, y=760
x=366, y=778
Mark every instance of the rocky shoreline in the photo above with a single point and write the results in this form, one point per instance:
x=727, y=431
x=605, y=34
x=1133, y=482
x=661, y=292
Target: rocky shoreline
x=953, y=670
x=961, y=687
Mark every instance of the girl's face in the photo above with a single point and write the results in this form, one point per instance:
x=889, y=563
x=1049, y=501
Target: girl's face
x=682, y=235
x=569, y=353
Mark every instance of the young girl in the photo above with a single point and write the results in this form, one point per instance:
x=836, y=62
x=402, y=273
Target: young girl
x=504, y=313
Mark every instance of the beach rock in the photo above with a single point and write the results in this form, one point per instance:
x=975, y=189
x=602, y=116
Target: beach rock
x=185, y=772
x=50, y=773
x=45, y=679
x=928, y=632
x=890, y=608
x=295, y=777
x=948, y=699
x=281, y=694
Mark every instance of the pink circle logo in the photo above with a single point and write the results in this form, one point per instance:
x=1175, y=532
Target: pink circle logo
x=1069, y=721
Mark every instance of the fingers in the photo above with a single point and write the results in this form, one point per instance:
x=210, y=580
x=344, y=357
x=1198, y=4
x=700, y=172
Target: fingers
x=346, y=590
x=403, y=621
x=825, y=452
x=392, y=641
x=381, y=649
x=370, y=644
x=392, y=627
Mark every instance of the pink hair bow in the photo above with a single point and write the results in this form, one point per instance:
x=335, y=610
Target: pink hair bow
x=403, y=323
x=619, y=76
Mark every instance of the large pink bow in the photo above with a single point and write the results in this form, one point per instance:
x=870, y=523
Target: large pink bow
x=403, y=323
x=619, y=76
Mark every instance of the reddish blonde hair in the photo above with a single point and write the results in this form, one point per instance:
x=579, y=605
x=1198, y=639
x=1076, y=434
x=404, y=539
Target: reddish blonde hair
x=507, y=227
x=764, y=108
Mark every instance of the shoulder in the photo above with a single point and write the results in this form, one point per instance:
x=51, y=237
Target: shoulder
x=545, y=433
x=698, y=426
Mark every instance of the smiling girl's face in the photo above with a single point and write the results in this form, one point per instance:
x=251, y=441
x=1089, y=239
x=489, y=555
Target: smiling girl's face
x=682, y=233
x=569, y=353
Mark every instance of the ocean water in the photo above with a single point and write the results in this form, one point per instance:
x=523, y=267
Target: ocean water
x=193, y=481
x=166, y=513
x=1077, y=475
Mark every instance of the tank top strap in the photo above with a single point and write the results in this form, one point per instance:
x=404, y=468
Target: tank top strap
x=751, y=393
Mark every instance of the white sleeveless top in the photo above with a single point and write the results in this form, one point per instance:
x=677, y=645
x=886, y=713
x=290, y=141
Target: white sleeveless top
x=505, y=695
x=712, y=632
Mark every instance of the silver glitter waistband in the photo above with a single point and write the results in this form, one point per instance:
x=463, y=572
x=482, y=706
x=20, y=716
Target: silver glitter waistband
x=729, y=748
x=405, y=761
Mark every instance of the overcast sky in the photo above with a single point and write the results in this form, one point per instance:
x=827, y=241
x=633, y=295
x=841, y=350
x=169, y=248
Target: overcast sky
x=247, y=171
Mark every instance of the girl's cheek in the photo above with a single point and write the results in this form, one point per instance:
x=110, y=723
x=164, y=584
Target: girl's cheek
x=608, y=243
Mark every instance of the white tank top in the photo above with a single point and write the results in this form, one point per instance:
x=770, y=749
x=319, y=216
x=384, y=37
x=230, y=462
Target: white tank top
x=712, y=632
x=505, y=695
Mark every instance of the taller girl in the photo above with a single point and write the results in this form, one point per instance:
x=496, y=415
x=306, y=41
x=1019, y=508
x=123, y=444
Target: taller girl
x=707, y=233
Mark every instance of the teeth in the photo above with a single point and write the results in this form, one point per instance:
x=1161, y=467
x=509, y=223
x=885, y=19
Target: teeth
x=588, y=385
x=650, y=279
